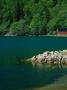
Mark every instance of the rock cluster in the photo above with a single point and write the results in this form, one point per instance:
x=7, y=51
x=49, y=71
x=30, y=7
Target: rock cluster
x=50, y=57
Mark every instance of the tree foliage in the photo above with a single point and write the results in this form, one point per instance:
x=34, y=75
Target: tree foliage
x=35, y=17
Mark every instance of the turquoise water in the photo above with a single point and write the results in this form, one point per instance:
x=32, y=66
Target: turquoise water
x=15, y=76
x=20, y=77
x=13, y=48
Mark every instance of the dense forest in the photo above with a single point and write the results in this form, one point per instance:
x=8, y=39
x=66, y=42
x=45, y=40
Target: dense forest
x=32, y=17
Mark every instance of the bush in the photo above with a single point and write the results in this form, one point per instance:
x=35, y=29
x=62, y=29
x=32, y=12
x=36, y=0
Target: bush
x=4, y=28
x=52, y=25
x=19, y=28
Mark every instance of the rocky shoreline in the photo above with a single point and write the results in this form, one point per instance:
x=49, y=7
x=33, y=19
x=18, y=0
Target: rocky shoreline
x=51, y=57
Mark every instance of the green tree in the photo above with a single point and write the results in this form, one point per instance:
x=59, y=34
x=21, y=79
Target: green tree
x=19, y=28
x=37, y=17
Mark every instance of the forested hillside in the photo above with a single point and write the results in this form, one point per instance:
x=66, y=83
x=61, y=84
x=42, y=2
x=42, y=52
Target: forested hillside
x=32, y=17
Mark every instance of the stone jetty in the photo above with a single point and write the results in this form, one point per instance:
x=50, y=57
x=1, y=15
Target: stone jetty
x=51, y=57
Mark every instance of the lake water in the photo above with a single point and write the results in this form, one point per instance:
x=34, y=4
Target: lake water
x=15, y=76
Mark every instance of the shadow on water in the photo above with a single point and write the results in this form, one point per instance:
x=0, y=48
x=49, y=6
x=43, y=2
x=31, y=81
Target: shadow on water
x=27, y=76
x=44, y=75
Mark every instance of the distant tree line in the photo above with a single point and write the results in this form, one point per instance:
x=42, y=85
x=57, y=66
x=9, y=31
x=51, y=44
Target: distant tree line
x=32, y=17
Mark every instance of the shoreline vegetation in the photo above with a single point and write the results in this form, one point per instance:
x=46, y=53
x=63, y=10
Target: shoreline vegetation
x=32, y=17
x=50, y=57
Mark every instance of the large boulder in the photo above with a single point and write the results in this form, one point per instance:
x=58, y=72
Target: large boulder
x=40, y=58
x=64, y=59
x=34, y=58
x=54, y=57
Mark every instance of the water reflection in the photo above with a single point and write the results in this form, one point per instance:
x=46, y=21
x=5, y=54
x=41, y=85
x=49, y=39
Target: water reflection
x=45, y=74
x=41, y=66
x=29, y=75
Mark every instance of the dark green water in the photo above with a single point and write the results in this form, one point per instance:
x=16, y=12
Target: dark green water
x=13, y=48
x=20, y=77
x=15, y=76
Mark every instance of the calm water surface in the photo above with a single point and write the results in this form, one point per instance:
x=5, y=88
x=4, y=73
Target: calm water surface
x=15, y=76
x=20, y=77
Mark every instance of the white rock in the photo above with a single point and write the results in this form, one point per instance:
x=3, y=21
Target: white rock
x=33, y=58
